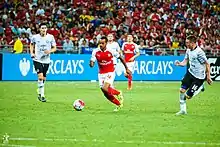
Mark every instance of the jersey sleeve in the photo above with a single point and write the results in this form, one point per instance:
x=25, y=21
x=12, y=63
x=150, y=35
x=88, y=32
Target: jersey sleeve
x=53, y=42
x=93, y=57
x=202, y=57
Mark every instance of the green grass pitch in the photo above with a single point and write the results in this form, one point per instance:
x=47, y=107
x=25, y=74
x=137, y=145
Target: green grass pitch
x=147, y=118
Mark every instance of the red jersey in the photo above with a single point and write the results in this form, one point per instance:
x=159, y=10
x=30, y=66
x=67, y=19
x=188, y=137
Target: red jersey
x=130, y=49
x=104, y=59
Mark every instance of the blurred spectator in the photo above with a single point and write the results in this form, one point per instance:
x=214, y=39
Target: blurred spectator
x=16, y=30
x=3, y=44
x=40, y=11
x=84, y=43
x=175, y=44
x=18, y=46
x=121, y=40
x=93, y=42
x=68, y=45
x=2, y=30
x=24, y=39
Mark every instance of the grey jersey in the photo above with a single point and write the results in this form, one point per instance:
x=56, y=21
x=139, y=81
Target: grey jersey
x=40, y=45
x=197, y=59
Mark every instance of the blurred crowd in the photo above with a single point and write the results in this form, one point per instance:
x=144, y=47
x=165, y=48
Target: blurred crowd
x=81, y=23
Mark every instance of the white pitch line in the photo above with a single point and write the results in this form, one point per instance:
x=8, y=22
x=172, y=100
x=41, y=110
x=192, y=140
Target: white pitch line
x=119, y=141
x=14, y=145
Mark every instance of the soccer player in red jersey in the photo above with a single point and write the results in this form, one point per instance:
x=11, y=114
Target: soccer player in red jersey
x=131, y=52
x=106, y=75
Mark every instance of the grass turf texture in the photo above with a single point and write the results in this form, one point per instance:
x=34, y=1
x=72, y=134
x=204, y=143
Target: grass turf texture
x=147, y=118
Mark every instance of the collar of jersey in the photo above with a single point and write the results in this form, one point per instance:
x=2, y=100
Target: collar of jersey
x=102, y=50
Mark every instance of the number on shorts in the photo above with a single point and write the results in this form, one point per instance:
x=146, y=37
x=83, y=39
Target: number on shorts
x=194, y=87
x=109, y=76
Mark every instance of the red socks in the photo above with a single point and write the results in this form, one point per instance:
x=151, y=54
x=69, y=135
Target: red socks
x=129, y=81
x=112, y=98
x=113, y=91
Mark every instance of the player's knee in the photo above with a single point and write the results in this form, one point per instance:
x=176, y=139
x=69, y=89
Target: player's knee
x=40, y=76
x=104, y=89
x=126, y=75
x=182, y=90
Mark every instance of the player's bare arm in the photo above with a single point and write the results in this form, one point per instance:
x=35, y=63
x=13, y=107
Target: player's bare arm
x=91, y=63
x=182, y=63
x=123, y=62
x=134, y=57
x=53, y=49
x=122, y=52
x=32, y=50
x=209, y=80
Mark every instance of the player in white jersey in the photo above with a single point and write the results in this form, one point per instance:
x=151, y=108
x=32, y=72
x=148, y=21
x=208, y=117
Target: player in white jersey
x=41, y=46
x=201, y=88
x=198, y=71
x=113, y=46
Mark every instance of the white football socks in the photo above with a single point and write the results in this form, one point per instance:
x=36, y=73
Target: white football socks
x=41, y=87
x=182, y=102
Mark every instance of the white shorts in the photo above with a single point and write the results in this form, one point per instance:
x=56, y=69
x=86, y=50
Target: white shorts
x=130, y=66
x=106, y=78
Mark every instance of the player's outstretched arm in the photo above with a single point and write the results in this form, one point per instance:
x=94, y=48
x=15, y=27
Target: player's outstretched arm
x=134, y=57
x=209, y=80
x=123, y=62
x=183, y=63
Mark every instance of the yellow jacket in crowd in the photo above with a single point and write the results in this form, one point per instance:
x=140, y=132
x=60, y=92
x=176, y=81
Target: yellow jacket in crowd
x=18, y=47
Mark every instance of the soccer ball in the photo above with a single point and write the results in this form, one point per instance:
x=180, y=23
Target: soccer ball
x=78, y=105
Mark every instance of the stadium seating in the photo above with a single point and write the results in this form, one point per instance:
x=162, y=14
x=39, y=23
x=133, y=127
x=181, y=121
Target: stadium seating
x=157, y=24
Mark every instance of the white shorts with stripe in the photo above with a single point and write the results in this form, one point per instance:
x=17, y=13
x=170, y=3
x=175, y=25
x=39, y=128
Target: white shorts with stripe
x=106, y=78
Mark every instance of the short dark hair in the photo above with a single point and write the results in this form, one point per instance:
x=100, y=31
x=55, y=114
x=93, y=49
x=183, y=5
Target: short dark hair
x=192, y=38
x=42, y=24
x=105, y=38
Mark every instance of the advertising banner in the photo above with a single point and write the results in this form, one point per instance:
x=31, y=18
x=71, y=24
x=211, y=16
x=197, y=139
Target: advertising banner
x=214, y=68
x=76, y=67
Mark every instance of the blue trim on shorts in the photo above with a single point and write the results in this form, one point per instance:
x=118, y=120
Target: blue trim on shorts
x=184, y=87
